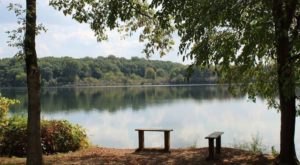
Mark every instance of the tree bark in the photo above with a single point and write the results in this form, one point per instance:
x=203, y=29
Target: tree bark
x=34, y=149
x=286, y=82
x=283, y=12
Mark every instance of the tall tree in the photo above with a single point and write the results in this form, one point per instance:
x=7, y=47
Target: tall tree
x=25, y=43
x=254, y=43
x=34, y=149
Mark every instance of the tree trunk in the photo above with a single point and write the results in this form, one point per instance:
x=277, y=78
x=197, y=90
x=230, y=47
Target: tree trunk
x=282, y=15
x=287, y=100
x=34, y=149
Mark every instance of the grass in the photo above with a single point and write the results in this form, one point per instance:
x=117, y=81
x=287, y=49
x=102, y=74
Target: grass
x=194, y=144
x=254, y=146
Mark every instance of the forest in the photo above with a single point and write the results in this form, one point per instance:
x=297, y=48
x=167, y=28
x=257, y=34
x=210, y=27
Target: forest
x=103, y=71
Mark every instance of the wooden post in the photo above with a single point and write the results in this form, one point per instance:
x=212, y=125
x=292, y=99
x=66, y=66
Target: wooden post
x=210, y=149
x=141, y=140
x=167, y=141
x=218, y=145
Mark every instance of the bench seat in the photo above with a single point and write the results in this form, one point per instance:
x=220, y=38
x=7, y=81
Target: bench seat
x=214, y=135
x=150, y=129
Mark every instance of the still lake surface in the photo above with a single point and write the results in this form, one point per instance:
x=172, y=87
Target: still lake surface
x=110, y=114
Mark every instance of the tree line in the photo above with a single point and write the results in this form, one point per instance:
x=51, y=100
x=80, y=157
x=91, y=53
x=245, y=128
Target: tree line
x=102, y=71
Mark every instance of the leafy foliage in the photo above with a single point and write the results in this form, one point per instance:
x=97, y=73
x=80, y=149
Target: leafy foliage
x=62, y=136
x=14, y=137
x=226, y=35
x=127, y=16
x=102, y=71
x=16, y=36
x=4, y=107
x=253, y=43
x=57, y=136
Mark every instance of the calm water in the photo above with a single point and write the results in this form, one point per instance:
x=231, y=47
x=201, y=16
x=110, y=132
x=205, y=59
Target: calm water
x=110, y=114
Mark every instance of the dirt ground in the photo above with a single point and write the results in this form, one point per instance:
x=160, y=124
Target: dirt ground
x=98, y=155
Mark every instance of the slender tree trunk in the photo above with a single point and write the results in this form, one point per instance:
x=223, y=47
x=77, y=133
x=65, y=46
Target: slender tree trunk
x=34, y=149
x=283, y=12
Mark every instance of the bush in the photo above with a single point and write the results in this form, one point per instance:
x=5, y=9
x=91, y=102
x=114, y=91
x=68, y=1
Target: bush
x=14, y=137
x=62, y=136
x=4, y=108
x=57, y=136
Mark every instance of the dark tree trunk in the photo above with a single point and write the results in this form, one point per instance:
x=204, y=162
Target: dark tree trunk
x=286, y=82
x=282, y=15
x=34, y=149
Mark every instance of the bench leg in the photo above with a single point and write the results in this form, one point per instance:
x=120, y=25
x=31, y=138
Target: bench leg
x=141, y=140
x=167, y=141
x=218, y=145
x=210, y=149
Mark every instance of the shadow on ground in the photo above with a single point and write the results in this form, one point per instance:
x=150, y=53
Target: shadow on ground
x=95, y=156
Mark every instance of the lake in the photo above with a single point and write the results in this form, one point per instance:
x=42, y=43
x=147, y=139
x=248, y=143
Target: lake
x=110, y=114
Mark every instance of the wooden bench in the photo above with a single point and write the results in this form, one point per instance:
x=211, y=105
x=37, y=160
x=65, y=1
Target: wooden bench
x=211, y=149
x=166, y=138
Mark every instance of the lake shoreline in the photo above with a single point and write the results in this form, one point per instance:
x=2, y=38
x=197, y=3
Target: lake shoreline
x=192, y=112
x=99, y=155
x=120, y=85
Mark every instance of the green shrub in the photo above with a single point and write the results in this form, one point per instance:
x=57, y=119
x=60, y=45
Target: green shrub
x=62, y=136
x=4, y=108
x=14, y=137
x=57, y=136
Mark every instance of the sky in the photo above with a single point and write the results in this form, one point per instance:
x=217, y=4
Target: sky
x=66, y=37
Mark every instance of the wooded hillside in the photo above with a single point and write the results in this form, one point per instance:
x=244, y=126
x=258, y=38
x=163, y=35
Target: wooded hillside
x=101, y=71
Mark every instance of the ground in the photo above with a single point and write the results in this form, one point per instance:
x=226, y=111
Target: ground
x=99, y=155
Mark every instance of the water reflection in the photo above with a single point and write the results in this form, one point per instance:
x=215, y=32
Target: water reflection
x=113, y=99
x=110, y=115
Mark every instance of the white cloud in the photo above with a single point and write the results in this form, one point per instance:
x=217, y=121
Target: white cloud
x=70, y=33
x=43, y=50
x=66, y=37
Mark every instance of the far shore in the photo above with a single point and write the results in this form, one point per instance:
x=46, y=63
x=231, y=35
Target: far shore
x=122, y=85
